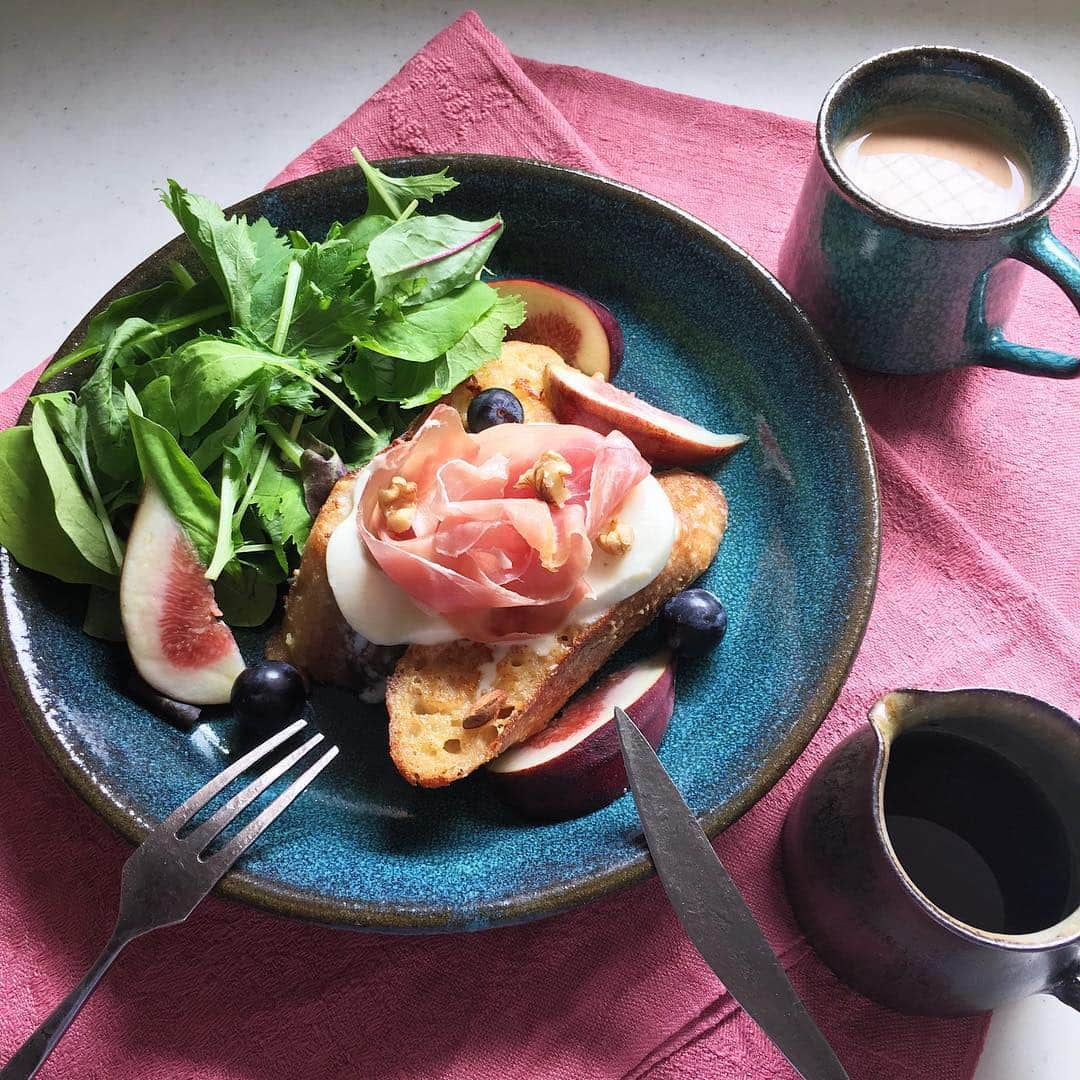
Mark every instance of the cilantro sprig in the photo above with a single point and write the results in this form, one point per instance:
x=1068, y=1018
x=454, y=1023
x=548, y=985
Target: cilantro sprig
x=242, y=384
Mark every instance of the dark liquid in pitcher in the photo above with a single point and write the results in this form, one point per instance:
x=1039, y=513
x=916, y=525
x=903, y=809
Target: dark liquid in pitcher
x=976, y=835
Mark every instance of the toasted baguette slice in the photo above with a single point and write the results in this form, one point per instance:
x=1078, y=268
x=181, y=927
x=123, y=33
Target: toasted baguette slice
x=453, y=707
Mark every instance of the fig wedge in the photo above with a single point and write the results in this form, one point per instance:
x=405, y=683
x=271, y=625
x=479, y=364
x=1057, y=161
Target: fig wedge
x=581, y=330
x=664, y=439
x=575, y=766
x=172, y=623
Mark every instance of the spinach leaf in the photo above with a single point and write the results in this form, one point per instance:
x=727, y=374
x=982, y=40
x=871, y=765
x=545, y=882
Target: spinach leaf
x=102, y=619
x=205, y=372
x=245, y=596
x=106, y=411
x=157, y=403
x=444, y=252
x=69, y=421
x=29, y=528
x=73, y=511
x=423, y=333
x=391, y=195
x=190, y=497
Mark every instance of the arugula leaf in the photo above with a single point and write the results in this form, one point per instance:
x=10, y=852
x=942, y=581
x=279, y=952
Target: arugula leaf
x=235, y=254
x=279, y=502
x=73, y=511
x=390, y=195
x=423, y=333
x=29, y=528
x=445, y=252
x=325, y=312
x=190, y=497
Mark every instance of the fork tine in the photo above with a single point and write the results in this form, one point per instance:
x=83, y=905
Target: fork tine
x=186, y=810
x=223, y=859
x=206, y=832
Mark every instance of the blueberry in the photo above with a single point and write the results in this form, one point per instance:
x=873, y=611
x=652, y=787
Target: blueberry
x=694, y=622
x=268, y=695
x=494, y=406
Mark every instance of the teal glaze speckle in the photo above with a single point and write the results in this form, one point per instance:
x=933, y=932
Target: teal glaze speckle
x=893, y=293
x=709, y=335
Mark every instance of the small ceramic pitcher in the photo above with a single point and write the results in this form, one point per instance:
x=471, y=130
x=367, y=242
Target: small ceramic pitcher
x=870, y=919
x=899, y=294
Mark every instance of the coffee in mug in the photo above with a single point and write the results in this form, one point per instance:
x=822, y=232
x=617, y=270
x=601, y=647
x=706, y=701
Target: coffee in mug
x=937, y=166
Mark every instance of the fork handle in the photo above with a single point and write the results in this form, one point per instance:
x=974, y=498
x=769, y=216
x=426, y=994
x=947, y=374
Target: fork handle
x=32, y=1054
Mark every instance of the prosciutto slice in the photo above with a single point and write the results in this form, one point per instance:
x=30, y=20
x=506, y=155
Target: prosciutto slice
x=492, y=557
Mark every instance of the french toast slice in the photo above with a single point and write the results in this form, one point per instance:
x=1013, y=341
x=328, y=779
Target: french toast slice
x=519, y=368
x=453, y=707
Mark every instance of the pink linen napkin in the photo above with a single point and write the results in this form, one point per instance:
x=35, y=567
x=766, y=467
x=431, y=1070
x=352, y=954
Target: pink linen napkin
x=978, y=587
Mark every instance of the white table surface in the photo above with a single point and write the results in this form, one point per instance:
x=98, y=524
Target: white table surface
x=100, y=101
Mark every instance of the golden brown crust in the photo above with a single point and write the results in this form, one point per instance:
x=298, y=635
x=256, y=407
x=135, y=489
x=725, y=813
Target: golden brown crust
x=435, y=688
x=519, y=368
x=314, y=634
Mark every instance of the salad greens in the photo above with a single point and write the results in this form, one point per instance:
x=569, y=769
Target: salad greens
x=243, y=387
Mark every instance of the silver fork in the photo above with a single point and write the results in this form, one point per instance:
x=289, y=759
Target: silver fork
x=167, y=876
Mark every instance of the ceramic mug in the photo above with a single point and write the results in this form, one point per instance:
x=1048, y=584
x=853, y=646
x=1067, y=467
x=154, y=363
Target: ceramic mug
x=897, y=294
x=866, y=914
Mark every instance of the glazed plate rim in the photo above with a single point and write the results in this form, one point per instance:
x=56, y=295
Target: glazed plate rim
x=282, y=899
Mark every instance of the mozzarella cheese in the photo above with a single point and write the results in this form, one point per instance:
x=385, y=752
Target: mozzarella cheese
x=381, y=611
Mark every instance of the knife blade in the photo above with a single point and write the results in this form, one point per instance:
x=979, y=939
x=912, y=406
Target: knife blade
x=714, y=915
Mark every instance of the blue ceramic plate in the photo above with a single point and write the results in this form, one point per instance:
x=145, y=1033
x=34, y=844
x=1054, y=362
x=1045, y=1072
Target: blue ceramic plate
x=710, y=335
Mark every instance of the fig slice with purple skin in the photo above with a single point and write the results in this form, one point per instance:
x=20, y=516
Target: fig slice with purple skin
x=172, y=623
x=581, y=330
x=575, y=765
x=663, y=439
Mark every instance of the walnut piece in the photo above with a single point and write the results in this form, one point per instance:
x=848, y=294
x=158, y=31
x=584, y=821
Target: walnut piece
x=548, y=477
x=485, y=709
x=398, y=502
x=615, y=538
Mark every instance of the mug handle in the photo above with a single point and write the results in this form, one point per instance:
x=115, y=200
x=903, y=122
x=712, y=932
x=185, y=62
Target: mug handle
x=1040, y=248
x=1067, y=989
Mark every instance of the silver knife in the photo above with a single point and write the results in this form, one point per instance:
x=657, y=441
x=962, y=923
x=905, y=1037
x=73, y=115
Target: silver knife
x=714, y=914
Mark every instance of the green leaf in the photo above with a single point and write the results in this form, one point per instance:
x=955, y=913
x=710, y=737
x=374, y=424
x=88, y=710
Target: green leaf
x=390, y=195
x=190, y=497
x=246, y=598
x=106, y=412
x=279, y=502
x=361, y=231
x=170, y=311
x=326, y=309
x=423, y=333
x=235, y=254
x=28, y=525
x=69, y=421
x=444, y=252
x=484, y=340
x=205, y=372
x=214, y=443
x=157, y=403
x=102, y=618
x=72, y=509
